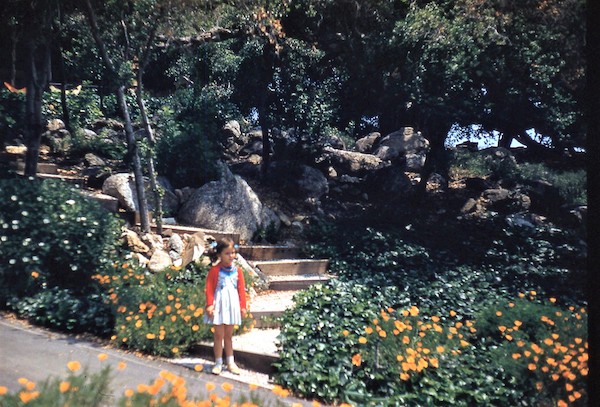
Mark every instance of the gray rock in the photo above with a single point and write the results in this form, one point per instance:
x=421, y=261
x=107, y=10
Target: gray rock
x=92, y=160
x=404, y=144
x=365, y=144
x=351, y=162
x=176, y=243
x=469, y=206
x=229, y=205
x=134, y=242
x=159, y=261
x=55, y=125
x=122, y=187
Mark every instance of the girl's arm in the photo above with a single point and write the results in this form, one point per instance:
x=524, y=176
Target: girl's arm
x=241, y=289
x=211, y=285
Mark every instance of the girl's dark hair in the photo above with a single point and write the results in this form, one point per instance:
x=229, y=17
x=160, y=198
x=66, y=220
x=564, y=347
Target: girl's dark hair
x=218, y=246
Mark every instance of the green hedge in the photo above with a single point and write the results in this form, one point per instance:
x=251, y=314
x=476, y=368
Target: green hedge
x=51, y=236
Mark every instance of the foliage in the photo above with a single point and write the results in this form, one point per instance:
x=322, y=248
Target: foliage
x=481, y=164
x=83, y=105
x=313, y=349
x=12, y=113
x=52, y=237
x=102, y=145
x=82, y=388
x=452, y=283
x=407, y=358
x=159, y=314
x=367, y=254
x=571, y=184
x=542, y=343
x=186, y=149
x=78, y=389
x=59, y=309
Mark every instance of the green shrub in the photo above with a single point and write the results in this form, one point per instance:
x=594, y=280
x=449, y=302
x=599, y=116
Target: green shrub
x=464, y=163
x=189, y=132
x=571, y=185
x=51, y=236
x=405, y=358
x=313, y=355
x=84, y=107
x=541, y=345
x=81, y=387
x=77, y=389
x=373, y=256
x=451, y=278
x=12, y=114
x=59, y=309
x=81, y=144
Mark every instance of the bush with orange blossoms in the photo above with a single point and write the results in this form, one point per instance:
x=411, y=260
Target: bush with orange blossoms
x=83, y=388
x=542, y=343
x=402, y=346
x=160, y=314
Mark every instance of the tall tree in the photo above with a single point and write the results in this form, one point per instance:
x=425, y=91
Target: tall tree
x=30, y=24
x=479, y=62
x=119, y=74
x=126, y=43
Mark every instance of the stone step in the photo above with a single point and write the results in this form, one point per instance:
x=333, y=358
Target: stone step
x=287, y=267
x=269, y=252
x=71, y=179
x=296, y=282
x=42, y=167
x=190, y=230
x=254, y=350
x=266, y=307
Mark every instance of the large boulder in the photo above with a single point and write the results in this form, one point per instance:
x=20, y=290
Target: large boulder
x=365, y=144
x=298, y=180
x=122, y=187
x=390, y=183
x=505, y=201
x=229, y=205
x=351, y=162
x=404, y=144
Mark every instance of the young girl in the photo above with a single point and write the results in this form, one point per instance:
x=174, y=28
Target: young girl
x=225, y=303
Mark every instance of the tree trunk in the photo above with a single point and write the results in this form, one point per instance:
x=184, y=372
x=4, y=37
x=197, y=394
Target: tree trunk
x=266, y=141
x=505, y=140
x=13, y=59
x=268, y=58
x=150, y=158
x=63, y=91
x=133, y=152
x=437, y=157
x=37, y=80
x=132, y=147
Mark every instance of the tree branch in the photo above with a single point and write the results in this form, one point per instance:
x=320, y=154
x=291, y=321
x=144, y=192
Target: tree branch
x=214, y=35
x=96, y=34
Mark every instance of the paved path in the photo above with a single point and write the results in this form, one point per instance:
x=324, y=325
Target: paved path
x=36, y=354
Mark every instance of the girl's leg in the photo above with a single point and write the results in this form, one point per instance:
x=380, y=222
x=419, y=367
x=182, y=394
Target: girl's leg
x=218, y=347
x=228, y=339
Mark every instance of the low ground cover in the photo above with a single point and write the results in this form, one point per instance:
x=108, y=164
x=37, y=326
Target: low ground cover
x=446, y=320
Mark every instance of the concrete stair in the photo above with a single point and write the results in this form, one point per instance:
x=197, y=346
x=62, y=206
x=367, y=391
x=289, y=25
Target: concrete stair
x=51, y=171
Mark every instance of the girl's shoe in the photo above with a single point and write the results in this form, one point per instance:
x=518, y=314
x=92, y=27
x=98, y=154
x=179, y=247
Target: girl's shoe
x=233, y=368
x=217, y=369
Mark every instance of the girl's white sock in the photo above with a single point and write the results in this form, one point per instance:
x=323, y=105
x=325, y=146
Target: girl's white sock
x=218, y=361
x=230, y=360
